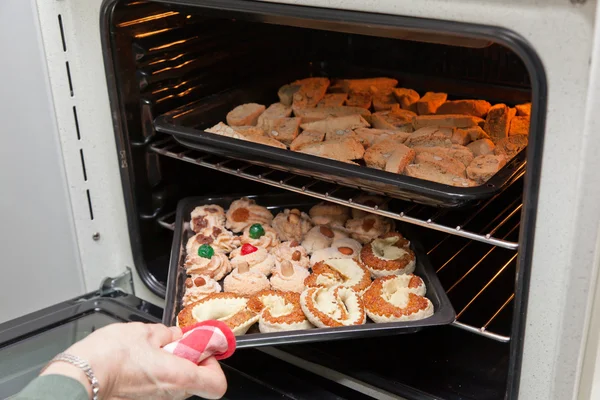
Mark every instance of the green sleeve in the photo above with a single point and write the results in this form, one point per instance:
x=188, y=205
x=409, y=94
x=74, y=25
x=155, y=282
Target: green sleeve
x=53, y=387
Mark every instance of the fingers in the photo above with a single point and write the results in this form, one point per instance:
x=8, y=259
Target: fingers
x=159, y=335
x=205, y=380
x=177, y=334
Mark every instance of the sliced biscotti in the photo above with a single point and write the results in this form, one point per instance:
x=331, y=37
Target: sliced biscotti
x=430, y=136
x=247, y=133
x=333, y=100
x=472, y=134
x=342, y=134
x=377, y=155
x=457, y=152
x=245, y=114
x=366, y=85
x=311, y=91
x=481, y=147
x=384, y=99
x=399, y=159
x=407, y=98
x=445, y=121
x=284, y=129
x=497, y=122
x=511, y=146
x=430, y=102
x=359, y=99
x=519, y=126
x=433, y=172
x=475, y=108
x=482, y=168
x=443, y=162
x=523, y=110
x=286, y=94
x=320, y=113
x=343, y=150
x=264, y=140
x=369, y=137
x=337, y=123
x=394, y=119
x=306, y=138
x=272, y=113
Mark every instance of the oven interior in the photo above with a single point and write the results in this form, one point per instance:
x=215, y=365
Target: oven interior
x=163, y=56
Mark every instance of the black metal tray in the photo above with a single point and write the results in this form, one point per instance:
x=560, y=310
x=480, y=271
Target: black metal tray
x=443, y=314
x=187, y=123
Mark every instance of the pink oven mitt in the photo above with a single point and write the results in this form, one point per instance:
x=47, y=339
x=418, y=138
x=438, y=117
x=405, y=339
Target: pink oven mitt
x=202, y=340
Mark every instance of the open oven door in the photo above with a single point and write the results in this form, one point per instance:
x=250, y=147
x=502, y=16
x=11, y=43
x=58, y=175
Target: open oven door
x=29, y=342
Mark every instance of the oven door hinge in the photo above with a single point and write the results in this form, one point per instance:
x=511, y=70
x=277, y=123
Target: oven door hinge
x=121, y=283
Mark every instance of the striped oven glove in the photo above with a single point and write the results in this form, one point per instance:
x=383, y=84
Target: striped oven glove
x=202, y=340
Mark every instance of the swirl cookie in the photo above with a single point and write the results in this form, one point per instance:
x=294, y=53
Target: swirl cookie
x=225, y=307
x=207, y=262
x=293, y=252
x=397, y=298
x=245, y=212
x=333, y=307
x=292, y=224
x=260, y=236
x=198, y=287
x=245, y=282
x=388, y=255
x=221, y=240
x=257, y=258
x=369, y=227
x=288, y=278
x=204, y=218
x=278, y=311
x=322, y=236
x=347, y=272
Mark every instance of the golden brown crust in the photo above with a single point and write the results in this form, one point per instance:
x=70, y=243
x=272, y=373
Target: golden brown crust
x=186, y=318
x=326, y=319
x=322, y=268
x=296, y=316
x=376, y=304
x=370, y=259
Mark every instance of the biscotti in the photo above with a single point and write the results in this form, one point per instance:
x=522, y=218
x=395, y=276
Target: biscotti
x=333, y=100
x=337, y=123
x=431, y=136
x=272, y=113
x=523, y=110
x=457, y=152
x=321, y=113
x=369, y=137
x=399, y=159
x=481, y=147
x=366, y=85
x=407, y=98
x=359, y=99
x=284, y=129
x=444, y=163
x=377, y=155
x=430, y=102
x=395, y=119
x=305, y=138
x=431, y=172
x=311, y=91
x=384, y=99
x=511, y=146
x=519, y=126
x=246, y=114
x=476, y=108
x=445, y=121
x=343, y=150
x=498, y=120
x=482, y=168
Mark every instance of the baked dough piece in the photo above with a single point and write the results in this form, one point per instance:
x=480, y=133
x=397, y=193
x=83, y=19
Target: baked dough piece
x=511, y=146
x=433, y=172
x=341, y=248
x=367, y=85
x=326, y=213
x=306, y=138
x=308, y=115
x=245, y=283
x=333, y=100
x=267, y=240
x=481, y=147
x=431, y=136
x=245, y=114
x=519, y=126
x=292, y=252
x=473, y=133
x=430, y=102
x=279, y=311
x=457, y=152
x=322, y=236
x=340, y=149
x=289, y=278
x=388, y=255
x=284, y=130
x=198, y=287
x=407, y=98
x=523, y=110
x=369, y=201
x=256, y=258
x=369, y=137
x=397, y=298
x=245, y=212
x=311, y=91
x=369, y=227
x=226, y=307
x=204, y=218
x=476, y=108
x=360, y=99
x=292, y=224
x=215, y=267
x=377, y=155
x=333, y=307
x=286, y=93
x=445, y=121
x=268, y=141
x=339, y=134
x=399, y=159
x=384, y=99
x=484, y=167
x=443, y=162
x=348, y=272
x=498, y=120
x=336, y=124
x=221, y=240
x=394, y=119
x=274, y=112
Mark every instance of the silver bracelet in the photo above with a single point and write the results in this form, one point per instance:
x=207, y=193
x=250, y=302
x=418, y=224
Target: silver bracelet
x=81, y=364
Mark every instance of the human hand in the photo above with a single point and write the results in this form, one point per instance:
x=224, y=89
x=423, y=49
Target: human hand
x=129, y=364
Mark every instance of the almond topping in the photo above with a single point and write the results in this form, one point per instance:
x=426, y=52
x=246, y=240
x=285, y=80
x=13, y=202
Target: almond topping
x=347, y=251
x=293, y=218
x=294, y=243
x=325, y=231
x=243, y=267
x=189, y=283
x=199, y=281
x=296, y=255
x=368, y=224
x=240, y=215
x=287, y=269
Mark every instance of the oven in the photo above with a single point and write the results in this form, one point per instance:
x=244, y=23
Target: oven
x=519, y=266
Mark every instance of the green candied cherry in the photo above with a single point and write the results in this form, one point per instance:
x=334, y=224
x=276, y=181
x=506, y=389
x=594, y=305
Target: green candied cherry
x=206, y=251
x=256, y=231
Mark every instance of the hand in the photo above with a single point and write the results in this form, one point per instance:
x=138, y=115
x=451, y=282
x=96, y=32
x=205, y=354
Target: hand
x=129, y=364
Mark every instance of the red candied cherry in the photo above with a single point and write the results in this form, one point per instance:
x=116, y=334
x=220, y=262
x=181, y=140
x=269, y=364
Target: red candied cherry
x=248, y=249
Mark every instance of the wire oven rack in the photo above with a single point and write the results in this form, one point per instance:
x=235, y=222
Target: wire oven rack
x=481, y=292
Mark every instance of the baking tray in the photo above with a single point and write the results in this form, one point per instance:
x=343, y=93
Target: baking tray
x=187, y=123
x=444, y=313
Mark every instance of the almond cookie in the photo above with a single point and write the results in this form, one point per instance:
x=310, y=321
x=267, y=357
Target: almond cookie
x=257, y=258
x=333, y=307
x=260, y=236
x=245, y=212
x=388, y=255
x=207, y=262
x=278, y=311
x=342, y=248
x=292, y=224
x=397, y=298
x=198, y=287
x=204, y=218
x=326, y=213
x=322, y=236
x=369, y=227
x=348, y=272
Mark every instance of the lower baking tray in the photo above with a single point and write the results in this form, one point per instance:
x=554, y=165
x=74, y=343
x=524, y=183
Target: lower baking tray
x=444, y=313
x=186, y=124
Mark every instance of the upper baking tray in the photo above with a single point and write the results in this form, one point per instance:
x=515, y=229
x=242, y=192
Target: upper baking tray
x=443, y=312
x=187, y=125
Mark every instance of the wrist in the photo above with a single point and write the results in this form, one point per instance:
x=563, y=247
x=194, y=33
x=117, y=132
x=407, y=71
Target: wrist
x=71, y=371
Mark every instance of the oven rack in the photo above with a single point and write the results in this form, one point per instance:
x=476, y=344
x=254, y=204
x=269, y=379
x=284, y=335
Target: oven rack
x=416, y=214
